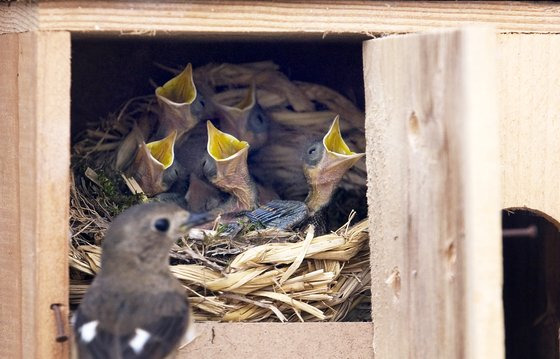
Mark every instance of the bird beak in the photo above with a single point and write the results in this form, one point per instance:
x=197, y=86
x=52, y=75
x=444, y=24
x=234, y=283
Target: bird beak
x=234, y=119
x=229, y=153
x=151, y=160
x=338, y=156
x=195, y=219
x=175, y=98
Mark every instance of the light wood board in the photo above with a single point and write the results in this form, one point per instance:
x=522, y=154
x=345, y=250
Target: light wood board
x=270, y=18
x=35, y=142
x=529, y=95
x=434, y=195
x=10, y=251
x=281, y=340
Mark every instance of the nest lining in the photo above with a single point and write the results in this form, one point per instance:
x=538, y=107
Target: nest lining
x=261, y=275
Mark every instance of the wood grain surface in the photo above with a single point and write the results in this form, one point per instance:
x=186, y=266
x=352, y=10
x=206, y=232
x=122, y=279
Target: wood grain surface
x=434, y=194
x=276, y=18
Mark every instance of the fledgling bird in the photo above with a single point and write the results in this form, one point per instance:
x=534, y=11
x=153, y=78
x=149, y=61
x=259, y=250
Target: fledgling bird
x=181, y=106
x=246, y=120
x=324, y=164
x=227, y=185
x=135, y=307
x=226, y=168
x=150, y=163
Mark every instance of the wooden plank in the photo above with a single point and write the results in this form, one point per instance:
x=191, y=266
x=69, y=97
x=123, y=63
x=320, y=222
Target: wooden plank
x=530, y=122
x=10, y=254
x=433, y=192
x=44, y=158
x=281, y=340
x=280, y=18
x=17, y=17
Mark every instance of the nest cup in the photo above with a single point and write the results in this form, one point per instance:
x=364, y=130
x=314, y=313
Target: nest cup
x=260, y=275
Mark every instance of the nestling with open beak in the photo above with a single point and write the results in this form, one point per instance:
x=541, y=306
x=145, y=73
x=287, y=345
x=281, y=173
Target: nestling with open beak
x=150, y=163
x=324, y=165
x=135, y=307
x=226, y=168
x=181, y=106
x=247, y=121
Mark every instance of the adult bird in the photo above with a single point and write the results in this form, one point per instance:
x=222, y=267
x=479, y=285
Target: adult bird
x=135, y=307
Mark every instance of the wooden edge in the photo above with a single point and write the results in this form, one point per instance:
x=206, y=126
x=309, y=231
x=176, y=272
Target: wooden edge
x=44, y=149
x=281, y=340
x=10, y=250
x=484, y=321
x=282, y=18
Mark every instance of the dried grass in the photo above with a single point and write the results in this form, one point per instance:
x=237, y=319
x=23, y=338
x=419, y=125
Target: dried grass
x=263, y=275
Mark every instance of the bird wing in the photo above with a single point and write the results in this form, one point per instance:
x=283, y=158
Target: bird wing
x=152, y=326
x=280, y=214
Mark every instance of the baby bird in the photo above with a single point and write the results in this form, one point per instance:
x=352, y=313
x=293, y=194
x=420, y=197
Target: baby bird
x=324, y=164
x=246, y=121
x=181, y=106
x=226, y=168
x=229, y=187
x=150, y=163
x=135, y=307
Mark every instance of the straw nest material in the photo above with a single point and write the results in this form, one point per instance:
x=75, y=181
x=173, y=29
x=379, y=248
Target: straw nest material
x=260, y=275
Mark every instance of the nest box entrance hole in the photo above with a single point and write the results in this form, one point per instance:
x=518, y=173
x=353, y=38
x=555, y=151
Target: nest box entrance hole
x=531, y=290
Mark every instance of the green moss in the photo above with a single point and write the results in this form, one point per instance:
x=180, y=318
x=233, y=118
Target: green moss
x=115, y=193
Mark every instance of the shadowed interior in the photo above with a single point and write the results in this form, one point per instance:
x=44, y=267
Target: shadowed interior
x=531, y=287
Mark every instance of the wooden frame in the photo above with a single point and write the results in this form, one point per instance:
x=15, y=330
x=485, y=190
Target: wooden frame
x=34, y=97
x=270, y=18
x=35, y=91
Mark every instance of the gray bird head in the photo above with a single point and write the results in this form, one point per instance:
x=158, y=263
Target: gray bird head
x=143, y=234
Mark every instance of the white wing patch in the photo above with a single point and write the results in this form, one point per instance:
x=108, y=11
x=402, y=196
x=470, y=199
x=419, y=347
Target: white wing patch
x=139, y=340
x=190, y=335
x=88, y=331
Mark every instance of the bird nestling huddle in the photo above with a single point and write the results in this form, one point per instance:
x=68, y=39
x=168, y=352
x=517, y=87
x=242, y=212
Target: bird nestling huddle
x=187, y=160
x=203, y=172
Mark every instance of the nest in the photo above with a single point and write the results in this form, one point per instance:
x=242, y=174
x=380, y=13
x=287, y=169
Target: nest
x=260, y=275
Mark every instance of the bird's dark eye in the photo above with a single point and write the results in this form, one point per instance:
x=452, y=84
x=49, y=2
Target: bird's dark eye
x=260, y=118
x=161, y=224
x=202, y=103
x=312, y=150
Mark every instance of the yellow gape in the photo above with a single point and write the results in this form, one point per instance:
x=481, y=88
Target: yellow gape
x=180, y=89
x=334, y=142
x=162, y=150
x=221, y=145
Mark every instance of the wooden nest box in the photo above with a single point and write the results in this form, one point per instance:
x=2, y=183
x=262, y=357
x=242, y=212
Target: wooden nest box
x=461, y=122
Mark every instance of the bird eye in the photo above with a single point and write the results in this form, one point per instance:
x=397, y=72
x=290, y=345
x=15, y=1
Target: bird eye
x=161, y=224
x=202, y=103
x=260, y=118
x=312, y=150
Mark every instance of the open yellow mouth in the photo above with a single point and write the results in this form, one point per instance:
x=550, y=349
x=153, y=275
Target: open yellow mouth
x=221, y=145
x=180, y=89
x=162, y=150
x=334, y=142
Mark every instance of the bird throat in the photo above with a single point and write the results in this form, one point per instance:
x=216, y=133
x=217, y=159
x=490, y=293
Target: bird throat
x=320, y=195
